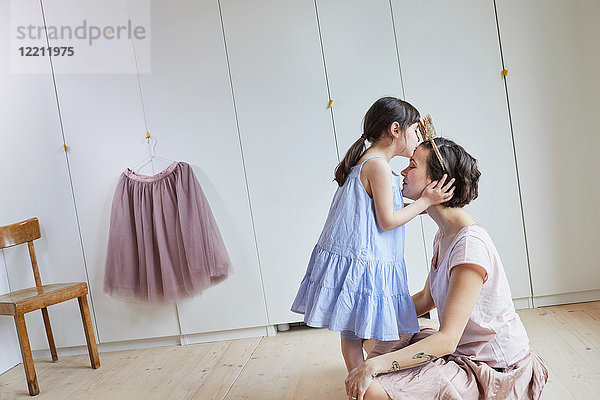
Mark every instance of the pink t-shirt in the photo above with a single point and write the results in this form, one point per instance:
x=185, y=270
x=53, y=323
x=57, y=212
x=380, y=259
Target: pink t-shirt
x=494, y=333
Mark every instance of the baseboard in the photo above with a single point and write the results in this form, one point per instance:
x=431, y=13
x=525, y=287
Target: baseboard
x=8, y=367
x=522, y=303
x=519, y=303
x=162, y=341
x=567, y=298
x=229, y=335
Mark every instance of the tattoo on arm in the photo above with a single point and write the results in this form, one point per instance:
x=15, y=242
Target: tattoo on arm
x=424, y=358
x=395, y=367
x=421, y=359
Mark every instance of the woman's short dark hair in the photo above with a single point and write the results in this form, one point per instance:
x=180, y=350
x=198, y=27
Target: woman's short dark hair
x=459, y=165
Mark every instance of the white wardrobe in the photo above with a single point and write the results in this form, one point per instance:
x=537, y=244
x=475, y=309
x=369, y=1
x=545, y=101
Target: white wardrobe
x=551, y=52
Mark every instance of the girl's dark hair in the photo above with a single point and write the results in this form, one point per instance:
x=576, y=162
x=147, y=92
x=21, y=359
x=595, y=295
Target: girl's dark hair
x=382, y=114
x=459, y=165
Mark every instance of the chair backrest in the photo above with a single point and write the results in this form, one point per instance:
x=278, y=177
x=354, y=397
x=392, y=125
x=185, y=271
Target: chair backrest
x=23, y=232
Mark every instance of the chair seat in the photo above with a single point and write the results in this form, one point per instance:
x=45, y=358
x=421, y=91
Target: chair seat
x=30, y=299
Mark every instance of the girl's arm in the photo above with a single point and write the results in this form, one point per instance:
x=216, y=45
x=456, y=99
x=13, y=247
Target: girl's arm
x=423, y=300
x=465, y=284
x=379, y=175
x=410, y=202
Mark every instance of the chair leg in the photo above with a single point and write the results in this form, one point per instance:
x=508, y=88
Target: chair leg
x=27, y=356
x=89, y=331
x=49, y=334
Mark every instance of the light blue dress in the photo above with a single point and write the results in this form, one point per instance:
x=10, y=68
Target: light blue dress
x=356, y=276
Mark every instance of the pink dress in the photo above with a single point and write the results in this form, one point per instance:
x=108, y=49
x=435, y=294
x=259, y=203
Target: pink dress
x=492, y=359
x=164, y=243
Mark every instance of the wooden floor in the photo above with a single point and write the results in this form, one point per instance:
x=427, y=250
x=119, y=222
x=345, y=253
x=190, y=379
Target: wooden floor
x=302, y=363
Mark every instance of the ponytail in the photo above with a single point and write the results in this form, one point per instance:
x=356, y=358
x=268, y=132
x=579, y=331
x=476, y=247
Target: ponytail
x=351, y=158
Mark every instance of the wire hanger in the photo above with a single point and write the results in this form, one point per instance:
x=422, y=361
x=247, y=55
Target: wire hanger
x=153, y=156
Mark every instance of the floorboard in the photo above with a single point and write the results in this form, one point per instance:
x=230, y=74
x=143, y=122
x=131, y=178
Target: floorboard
x=302, y=363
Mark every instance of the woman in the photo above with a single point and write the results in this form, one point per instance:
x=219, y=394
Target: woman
x=481, y=349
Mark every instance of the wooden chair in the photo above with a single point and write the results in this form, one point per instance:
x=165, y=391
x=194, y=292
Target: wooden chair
x=39, y=297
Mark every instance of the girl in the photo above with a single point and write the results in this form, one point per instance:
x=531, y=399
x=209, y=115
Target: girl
x=356, y=278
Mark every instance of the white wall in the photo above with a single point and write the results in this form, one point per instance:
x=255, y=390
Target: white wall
x=196, y=122
x=9, y=345
x=553, y=89
x=104, y=128
x=287, y=136
x=36, y=184
x=451, y=68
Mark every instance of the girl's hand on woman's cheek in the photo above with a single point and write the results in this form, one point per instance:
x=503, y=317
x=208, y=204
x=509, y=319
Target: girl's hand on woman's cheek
x=437, y=193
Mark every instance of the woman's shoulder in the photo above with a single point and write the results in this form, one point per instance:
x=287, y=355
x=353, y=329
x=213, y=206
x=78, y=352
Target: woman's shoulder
x=472, y=241
x=474, y=231
x=469, y=231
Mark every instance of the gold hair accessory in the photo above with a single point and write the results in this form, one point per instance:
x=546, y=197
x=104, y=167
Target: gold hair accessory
x=428, y=132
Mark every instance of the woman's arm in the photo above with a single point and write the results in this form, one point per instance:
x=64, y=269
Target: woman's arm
x=379, y=176
x=423, y=300
x=465, y=284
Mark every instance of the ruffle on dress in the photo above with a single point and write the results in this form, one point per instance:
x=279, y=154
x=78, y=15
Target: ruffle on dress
x=368, y=297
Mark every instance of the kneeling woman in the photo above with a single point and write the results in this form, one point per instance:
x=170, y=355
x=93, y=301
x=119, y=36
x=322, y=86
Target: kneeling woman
x=481, y=350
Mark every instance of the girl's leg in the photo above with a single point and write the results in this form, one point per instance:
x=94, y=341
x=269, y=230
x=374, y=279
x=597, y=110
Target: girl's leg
x=352, y=350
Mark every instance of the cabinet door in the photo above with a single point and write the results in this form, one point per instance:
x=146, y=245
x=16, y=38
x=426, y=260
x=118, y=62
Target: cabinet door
x=362, y=66
x=104, y=128
x=287, y=136
x=189, y=107
x=552, y=55
x=35, y=182
x=451, y=69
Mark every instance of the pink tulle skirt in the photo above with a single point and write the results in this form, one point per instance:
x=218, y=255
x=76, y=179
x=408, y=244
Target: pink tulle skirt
x=164, y=243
